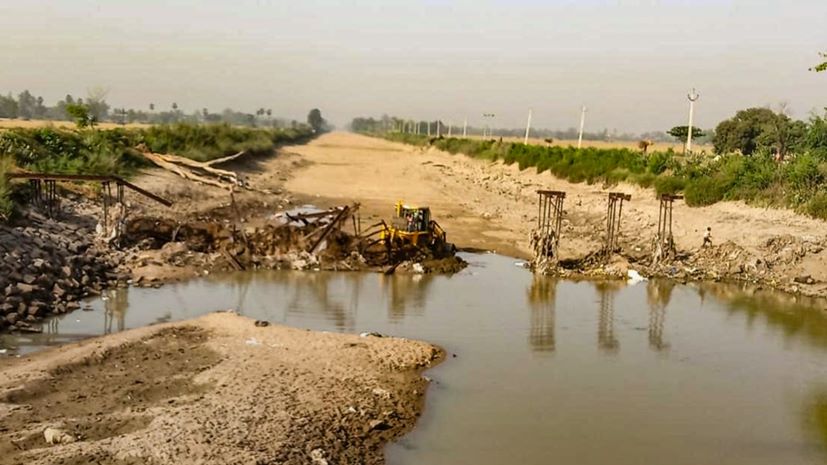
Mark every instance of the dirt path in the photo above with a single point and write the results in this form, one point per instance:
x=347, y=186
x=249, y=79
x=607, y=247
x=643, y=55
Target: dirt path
x=216, y=389
x=493, y=206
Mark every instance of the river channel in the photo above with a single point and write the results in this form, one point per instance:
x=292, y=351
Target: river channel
x=545, y=371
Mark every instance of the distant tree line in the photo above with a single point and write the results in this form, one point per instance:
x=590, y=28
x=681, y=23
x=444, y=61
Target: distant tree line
x=384, y=124
x=94, y=109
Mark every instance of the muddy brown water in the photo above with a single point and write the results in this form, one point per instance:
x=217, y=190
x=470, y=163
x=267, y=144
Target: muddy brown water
x=548, y=371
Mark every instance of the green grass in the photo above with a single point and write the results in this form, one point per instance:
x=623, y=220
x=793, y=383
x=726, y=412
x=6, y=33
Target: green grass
x=5, y=190
x=799, y=183
x=113, y=151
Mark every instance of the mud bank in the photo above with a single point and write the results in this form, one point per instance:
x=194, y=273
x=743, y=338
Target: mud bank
x=780, y=264
x=217, y=389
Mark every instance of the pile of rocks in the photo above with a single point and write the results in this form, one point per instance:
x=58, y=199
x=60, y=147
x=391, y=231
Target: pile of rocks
x=46, y=266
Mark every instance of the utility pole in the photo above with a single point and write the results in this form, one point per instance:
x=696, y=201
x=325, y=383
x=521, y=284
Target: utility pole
x=450, y=126
x=429, y=129
x=582, y=124
x=487, y=126
x=527, y=128
x=465, y=128
x=693, y=97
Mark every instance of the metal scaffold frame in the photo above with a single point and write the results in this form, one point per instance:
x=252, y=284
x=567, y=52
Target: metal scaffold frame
x=546, y=238
x=664, y=247
x=614, y=212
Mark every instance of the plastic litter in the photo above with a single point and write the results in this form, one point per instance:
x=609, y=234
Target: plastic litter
x=634, y=277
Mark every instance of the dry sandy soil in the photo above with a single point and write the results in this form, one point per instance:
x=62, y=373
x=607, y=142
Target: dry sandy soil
x=36, y=123
x=217, y=389
x=493, y=206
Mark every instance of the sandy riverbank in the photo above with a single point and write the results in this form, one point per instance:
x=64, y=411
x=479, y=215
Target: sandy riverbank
x=493, y=206
x=217, y=389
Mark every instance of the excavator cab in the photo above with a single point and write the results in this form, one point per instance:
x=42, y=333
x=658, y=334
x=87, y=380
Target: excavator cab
x=413, y=225
x=412, y=219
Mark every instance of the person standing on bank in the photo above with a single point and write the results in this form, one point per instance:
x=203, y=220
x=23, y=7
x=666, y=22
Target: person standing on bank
x=707, y=237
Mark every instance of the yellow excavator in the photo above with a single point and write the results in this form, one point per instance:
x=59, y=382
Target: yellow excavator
x=413, y=226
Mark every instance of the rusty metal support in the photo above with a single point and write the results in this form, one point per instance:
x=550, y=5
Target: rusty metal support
x=664, y=247
x=84, y=177
x=546, y=238
x=51, y=197
x=613, y=215
x=37, y=199
x=335, y=223
x=105, y=196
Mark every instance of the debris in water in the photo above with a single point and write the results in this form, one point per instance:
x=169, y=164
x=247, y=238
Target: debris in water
x=634, y=277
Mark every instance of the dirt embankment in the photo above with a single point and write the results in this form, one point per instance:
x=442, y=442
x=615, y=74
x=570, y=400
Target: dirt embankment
x=494, y=207
x=49, y=264
x=218, y=389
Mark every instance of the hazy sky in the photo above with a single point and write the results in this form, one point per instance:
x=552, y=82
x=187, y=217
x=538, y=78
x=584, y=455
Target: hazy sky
x=630, y=62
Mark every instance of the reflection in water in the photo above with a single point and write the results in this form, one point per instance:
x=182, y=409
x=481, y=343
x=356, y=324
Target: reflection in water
x=115, y=306
x=815, y=417
x=316, y=289
x=606, y=339
x=51, y=330
x=407, y=294
x=541, y=298
x=796, y=316
x=658, y=296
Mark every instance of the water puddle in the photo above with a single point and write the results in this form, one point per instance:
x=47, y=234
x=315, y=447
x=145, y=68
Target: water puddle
x=548, y=371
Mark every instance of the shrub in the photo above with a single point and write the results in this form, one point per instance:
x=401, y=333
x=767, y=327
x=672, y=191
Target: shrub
x=643, y=179
x=817, y=205
x=668, y=185
x=6, y=165
x=108, y=152
x=703, y=191
x=703, y=181
x=658, y=162
x=207, y=142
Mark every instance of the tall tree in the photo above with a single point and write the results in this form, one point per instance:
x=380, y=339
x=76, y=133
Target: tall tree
x=315, y=120
x=96, y=103
x=26, y=105
x=8, y=107
x=680, y=132
x=754, y=128
x=80, y=114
